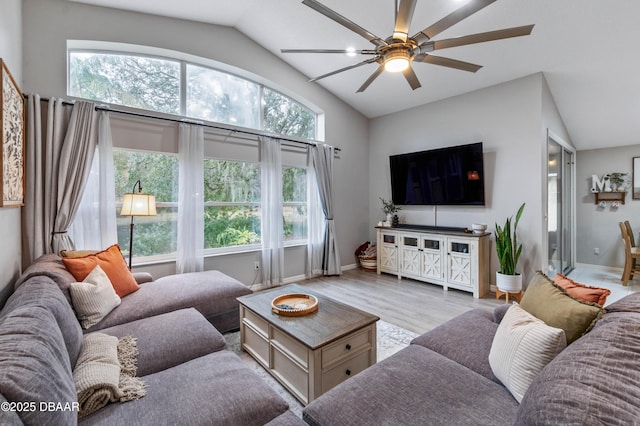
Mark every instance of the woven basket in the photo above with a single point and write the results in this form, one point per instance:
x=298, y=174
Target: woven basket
x=369, y=263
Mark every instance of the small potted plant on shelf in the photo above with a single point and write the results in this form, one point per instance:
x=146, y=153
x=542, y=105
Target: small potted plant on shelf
x=508, y=250
x=390, y=211
x=618, y=181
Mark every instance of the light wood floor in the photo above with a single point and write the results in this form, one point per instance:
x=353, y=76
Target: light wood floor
x=410, y=304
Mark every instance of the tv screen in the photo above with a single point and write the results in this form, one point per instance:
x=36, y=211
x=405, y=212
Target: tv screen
x=445, y=176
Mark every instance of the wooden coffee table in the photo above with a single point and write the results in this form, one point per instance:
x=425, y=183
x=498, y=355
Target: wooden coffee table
x=308, y=354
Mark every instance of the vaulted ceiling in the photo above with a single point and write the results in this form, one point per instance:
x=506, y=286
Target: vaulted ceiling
x=587, y=50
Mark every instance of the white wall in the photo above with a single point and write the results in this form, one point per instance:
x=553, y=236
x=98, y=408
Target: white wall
x=10, y=235
x=508, y=119
x=598, y=227
x=50, y=23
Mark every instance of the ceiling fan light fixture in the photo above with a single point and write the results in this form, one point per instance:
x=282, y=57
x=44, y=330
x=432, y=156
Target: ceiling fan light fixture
x=397, y=61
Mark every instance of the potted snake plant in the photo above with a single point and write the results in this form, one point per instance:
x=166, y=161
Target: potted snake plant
x=508, y=250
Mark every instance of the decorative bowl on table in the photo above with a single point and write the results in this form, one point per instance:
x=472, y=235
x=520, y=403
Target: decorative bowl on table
x=478, y=228
x=294, y=304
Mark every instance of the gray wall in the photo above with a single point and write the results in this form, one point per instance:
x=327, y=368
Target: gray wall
x=11, y=54
x=51, y=22
x=508, y=118
x=598, y=227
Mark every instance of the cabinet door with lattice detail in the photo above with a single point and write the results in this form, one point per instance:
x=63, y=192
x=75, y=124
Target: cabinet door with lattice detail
x=432, y=258
x=388, y=251
x=459, y=268
x=410, y=246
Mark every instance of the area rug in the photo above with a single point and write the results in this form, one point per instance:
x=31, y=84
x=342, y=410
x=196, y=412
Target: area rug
x=390, y=340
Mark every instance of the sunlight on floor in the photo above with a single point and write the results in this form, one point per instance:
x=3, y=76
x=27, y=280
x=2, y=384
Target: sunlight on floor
x=605, y=278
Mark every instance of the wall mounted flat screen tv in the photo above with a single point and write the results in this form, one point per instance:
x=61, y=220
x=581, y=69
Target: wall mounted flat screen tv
x=444, y=176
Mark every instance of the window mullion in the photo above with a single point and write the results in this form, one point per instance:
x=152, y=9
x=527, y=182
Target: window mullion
x=262, y=104
x=183, y=88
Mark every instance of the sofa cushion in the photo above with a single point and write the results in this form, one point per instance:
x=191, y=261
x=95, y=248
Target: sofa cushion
x=51, y=266
x=455, y=338
x=550, y=303
x=94, y=297
x=582, y=292
x=288, y=418
x=42, y=292
x=214, y=389
x=629, y=303
x=211, y=292
x=112, y=262
x=34, y=365
x=595, y=380
x=522, y=347
x=498, y=312
x=167, y=340
x=415, y=386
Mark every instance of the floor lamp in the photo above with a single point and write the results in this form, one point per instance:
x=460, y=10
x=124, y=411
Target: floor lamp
x=137, y=204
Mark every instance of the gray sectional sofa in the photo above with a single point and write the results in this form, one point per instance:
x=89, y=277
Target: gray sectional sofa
x=444, y=378
x=190, y=376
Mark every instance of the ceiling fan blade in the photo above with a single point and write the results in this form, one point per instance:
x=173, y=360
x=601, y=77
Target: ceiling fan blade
x=446, y=62
x=368, y=61
x=343, y=51
x=483, y=37
x=319, y=7
x=403, y=19
x=453, y=18
x=373, y=76
x=412, y=78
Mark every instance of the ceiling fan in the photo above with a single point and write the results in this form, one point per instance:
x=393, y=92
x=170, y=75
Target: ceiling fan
x=395, y=53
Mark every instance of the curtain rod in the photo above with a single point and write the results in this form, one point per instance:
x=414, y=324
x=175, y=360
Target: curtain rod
x=191, y=121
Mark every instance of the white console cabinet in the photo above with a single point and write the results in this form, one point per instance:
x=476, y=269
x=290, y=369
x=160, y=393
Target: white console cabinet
x=446, y=257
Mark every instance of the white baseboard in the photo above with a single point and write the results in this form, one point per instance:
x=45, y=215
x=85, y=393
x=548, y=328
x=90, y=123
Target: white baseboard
x=296, y=278
x=599, y=267
x=293, y=279
x=287, y=280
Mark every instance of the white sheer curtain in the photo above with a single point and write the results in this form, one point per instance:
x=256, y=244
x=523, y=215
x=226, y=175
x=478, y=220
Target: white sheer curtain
x=322, y=156
x=315, y=223
x=190, y=247
x=99, y=198
x=59, y=153
x=271, y=202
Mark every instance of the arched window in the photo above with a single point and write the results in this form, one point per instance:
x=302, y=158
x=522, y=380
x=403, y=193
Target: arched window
x=183, y=88
x=232, y=179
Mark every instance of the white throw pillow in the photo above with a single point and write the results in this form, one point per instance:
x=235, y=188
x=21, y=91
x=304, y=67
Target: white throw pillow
x=93, y=298
x=522, y=347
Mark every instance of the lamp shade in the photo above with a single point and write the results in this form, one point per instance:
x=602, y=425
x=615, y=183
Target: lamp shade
x=138, y=205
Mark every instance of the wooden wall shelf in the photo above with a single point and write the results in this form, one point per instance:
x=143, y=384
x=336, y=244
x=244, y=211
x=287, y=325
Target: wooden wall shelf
x=610, y=196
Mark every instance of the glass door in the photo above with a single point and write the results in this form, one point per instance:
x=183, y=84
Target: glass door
x=560, y=207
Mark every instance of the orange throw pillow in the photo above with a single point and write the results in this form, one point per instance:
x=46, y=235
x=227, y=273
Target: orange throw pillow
x=583, y=292
x=111, y=262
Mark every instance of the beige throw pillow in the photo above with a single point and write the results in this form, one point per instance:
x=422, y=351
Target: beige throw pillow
x=523, y=345
x=93, y=298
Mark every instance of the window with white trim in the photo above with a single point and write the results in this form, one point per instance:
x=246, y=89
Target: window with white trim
x=232, y=203
x=154, y=235
x=232, y=186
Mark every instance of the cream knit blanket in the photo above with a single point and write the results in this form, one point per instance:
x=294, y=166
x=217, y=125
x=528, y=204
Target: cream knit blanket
x=99, y=376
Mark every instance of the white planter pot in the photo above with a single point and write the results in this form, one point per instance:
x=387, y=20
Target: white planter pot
x=509, y=283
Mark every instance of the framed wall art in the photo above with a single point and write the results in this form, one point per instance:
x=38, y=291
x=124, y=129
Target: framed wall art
x=635, y=180
x=12, y=131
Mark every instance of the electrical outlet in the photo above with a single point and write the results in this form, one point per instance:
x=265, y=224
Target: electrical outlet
x=596, y=251
x=256, y=265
